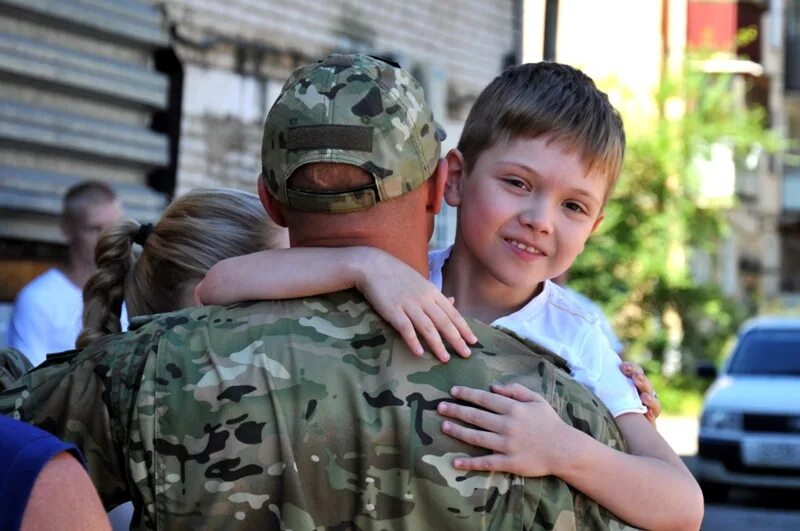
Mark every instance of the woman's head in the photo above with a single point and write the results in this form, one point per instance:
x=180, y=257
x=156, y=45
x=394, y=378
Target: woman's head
x=196, y=231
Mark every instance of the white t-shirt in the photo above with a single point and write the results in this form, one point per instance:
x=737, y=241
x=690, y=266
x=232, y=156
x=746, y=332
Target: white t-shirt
x=593, y=307
x=555, y=320
x=46, y=317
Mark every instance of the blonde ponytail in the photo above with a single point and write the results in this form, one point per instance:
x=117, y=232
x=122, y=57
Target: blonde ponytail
x=105, y=290
x=196, y=231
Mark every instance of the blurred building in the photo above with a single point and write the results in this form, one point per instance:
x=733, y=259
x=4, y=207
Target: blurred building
x=160, y=97
x=632, y=41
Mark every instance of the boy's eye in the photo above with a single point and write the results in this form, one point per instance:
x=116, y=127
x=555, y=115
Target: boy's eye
x=575, y=207
x=516, y=183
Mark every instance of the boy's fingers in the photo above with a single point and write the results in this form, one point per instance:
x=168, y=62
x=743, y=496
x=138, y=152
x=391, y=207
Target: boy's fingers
x=448, y=330
x=653, y=404
x=517, y=392
x=425, y=327
x=643, y=384
x=458, y=321
x=496, y=462
x=405, y=328
x=491, y=401
x=481, y=438
x=477, y=417
x=630, y=368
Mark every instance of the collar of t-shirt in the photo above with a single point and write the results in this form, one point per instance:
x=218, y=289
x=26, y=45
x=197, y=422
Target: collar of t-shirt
x=436, y=261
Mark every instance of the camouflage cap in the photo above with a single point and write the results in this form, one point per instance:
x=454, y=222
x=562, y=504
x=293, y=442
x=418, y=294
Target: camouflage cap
x=350, y=109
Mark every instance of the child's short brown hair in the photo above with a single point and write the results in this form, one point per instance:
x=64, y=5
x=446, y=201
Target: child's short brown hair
x=547, y=99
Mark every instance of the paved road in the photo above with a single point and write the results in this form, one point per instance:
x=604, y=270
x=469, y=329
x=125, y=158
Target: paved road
x=751, y=511
x=744, y=510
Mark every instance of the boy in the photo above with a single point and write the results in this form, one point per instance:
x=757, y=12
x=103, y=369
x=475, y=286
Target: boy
x=538, y=158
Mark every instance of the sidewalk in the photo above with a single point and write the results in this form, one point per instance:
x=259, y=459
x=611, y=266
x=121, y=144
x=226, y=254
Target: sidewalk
x=680, y=433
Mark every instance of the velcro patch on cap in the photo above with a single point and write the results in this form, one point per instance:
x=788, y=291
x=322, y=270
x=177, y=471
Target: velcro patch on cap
x=349, y=137
x=338, y=59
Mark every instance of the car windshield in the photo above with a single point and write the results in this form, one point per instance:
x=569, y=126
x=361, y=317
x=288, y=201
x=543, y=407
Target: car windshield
x=768, y=352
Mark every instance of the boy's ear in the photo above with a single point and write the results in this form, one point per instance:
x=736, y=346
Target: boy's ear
x=599, y=220
x=436, y=185
x=271, y=204
x=455, y=173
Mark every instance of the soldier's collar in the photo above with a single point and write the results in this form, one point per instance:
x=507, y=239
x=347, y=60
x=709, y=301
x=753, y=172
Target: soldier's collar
x=141, y=320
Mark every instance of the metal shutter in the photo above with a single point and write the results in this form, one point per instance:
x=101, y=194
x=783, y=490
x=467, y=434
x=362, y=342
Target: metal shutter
x=78, y=91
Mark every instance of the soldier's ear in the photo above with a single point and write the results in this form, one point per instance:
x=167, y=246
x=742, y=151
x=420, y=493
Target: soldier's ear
x=436, y=187
x=271, y=205
x=455, y=174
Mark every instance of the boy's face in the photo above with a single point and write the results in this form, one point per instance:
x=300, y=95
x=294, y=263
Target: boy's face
x=526, y=209
x=82, y=234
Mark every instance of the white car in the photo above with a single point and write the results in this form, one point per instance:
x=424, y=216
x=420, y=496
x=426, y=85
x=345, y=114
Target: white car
x=750, y=427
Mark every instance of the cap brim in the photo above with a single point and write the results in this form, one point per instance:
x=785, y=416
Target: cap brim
x=441, y=134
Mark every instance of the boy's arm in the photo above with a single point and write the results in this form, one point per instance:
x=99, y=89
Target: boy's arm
x=403, y=297
x=651, y=489
x=283, y=274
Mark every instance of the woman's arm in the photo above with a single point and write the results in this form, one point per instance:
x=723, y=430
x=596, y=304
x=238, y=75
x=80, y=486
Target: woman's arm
x=650, y=488
x=407, y=300
x=63, y=499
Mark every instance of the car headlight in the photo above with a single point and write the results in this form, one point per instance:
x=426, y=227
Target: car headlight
x=721, y=420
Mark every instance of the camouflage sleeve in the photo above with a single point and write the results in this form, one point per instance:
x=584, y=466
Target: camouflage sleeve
x=584, y=411
x=76, y=396
x=13, y=364
x=559, y=505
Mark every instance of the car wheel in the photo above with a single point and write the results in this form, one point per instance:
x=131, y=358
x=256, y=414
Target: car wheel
x=714, y=492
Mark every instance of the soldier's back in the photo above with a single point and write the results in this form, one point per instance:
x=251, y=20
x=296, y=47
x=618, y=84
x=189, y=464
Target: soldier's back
x=312, y=413
x=298, y=414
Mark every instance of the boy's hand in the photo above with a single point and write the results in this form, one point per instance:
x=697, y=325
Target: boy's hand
x=412, y=305
x=525, y=433
x=646, y=392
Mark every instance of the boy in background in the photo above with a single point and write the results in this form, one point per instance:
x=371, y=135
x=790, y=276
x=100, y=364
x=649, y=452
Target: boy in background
x=47, y=312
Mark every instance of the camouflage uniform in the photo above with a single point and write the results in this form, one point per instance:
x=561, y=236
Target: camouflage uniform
x=301, y=414
x=13, y=364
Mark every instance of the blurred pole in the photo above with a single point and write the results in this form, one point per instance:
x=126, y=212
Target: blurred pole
x=550, y=27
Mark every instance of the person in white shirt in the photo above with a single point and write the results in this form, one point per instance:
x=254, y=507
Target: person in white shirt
x=46, y=317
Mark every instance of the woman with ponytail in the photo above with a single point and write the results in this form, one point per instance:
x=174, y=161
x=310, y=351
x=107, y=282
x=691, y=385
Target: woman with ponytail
x=154, y=268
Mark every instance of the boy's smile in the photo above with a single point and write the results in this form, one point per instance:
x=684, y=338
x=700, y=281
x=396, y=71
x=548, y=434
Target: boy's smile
x=526, y=209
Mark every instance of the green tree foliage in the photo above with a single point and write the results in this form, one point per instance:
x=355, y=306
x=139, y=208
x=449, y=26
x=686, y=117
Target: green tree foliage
x=636, y=265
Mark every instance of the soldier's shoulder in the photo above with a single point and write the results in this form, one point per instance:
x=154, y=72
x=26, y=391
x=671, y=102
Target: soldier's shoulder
x=342, y=314
x=508, y=342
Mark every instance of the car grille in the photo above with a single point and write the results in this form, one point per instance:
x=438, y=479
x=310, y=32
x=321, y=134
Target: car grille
x=729, y=453
x=771, y=423
x=725, y=451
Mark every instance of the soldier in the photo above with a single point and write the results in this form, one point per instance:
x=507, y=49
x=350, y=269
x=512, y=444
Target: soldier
x=312, y=412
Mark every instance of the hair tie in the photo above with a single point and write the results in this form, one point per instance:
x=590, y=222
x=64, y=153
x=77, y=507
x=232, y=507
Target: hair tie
x=142, y=233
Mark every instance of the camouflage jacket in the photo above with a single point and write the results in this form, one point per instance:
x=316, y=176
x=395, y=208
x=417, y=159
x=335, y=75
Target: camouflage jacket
x=13, y=364
x=301, y=414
